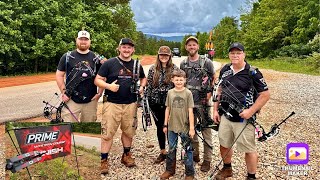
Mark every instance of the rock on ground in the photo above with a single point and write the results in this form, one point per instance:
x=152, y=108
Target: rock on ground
x=289, y=92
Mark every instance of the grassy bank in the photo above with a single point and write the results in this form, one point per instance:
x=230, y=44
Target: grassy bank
x=294, y=65
x=59, y=168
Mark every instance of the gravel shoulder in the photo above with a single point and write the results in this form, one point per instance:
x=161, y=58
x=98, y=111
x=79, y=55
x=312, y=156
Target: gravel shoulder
x=289, y=92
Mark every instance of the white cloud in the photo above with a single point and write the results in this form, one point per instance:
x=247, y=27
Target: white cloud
x=187, y=16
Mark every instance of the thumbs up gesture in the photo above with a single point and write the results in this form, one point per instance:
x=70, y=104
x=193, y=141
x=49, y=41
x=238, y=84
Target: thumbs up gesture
x=113, y=86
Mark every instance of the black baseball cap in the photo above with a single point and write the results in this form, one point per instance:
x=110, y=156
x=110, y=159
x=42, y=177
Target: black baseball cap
x=236, y=45
x=126, y=41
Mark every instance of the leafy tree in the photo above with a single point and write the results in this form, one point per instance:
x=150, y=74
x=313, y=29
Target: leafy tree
x=35, y=33
x=273, y=24
x=225, y=33
x=10, y=36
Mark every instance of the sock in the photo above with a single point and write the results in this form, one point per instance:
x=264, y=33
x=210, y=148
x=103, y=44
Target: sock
x=104, y=156
x=126, y=150
x=227, y=165
x=252, y=176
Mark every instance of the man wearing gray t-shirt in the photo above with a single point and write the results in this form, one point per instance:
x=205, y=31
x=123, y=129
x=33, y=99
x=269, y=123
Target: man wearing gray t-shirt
x=200, y=79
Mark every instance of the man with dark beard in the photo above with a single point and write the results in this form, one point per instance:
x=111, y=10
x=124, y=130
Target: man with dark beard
x=79, y=91
x=200, y=79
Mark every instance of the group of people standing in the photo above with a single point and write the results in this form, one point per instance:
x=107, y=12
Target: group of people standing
x=179, y=97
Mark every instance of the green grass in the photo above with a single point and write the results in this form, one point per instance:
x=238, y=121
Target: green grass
x=56, y=169
x=53, y=169
x=294, y=65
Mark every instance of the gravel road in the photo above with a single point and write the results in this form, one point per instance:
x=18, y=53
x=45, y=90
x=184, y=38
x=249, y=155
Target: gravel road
x=289, y=92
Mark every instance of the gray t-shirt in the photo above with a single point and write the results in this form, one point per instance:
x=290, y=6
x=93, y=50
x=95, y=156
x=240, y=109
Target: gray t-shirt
x=179, y=102
x=196, y=80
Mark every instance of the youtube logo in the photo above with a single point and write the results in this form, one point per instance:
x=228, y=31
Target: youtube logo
x=297, y=153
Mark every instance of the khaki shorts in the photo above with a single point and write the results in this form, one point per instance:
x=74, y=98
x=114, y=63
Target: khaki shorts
x=86, y=112
x=115, y=115
x=229, y=131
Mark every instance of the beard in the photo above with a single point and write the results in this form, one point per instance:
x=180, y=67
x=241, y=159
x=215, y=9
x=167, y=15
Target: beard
x=192, y=53
x=125, y=54
x=83, y=47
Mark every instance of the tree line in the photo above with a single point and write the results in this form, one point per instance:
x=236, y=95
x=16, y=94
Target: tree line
x=34, y=34
x=269, y=29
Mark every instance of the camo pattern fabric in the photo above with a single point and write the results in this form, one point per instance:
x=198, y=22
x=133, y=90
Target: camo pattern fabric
x=157, y=95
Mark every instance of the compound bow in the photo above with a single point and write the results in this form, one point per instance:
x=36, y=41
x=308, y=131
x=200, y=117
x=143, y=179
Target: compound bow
x=235, y=104
x=83, y=68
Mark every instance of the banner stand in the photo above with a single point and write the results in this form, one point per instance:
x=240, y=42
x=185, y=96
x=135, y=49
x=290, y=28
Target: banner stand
x=14, y=144
x=74, y=144
x=75, y=150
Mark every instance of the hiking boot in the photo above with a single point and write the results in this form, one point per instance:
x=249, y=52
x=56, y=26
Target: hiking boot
x=166, y=175
x=224, y=173
x=160, y=158
x=127, y=160
x=196, y=158
x=205, y=166
x=104, y=166
x=189, y=178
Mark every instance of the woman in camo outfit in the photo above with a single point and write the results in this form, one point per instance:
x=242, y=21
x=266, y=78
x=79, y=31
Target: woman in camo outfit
x=159, y=82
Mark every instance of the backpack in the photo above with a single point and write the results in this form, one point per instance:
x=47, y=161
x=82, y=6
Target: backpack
x=202, y=61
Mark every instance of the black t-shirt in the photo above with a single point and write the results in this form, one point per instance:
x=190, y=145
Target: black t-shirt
x=80, y=67
x=113, y=70
x=240, y=88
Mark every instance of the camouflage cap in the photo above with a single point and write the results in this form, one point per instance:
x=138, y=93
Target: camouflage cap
x=192, y=38
x=164, y=50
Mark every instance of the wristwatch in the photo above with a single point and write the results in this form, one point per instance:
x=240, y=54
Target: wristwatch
x=165, y=126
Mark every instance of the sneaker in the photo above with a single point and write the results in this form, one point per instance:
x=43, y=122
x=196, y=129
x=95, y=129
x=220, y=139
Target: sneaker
x=166, y=175
x=205, y=166
x=104, y=166
x=160, y=158
x=224, y=173
x=196, y=158
x=127, y=160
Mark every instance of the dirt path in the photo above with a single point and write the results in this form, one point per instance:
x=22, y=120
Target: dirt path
x=39, y=78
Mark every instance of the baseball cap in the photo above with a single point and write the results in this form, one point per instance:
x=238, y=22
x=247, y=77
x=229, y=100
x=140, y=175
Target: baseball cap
x=126, y=41
x=236, y=45
x=85, y=34
x=192, y=38
x=165, y=50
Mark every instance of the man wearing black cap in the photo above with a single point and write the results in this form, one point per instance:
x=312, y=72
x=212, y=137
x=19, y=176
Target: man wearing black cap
x=200, y=78
x=117, y=76
x=238, y=83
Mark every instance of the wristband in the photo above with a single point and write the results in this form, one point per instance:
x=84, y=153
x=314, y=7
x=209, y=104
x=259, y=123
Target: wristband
x=165, y=126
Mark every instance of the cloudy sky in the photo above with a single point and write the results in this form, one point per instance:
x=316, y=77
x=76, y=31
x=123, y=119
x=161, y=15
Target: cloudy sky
x=182, y=16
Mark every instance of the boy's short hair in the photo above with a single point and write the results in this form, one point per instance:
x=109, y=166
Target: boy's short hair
x=178, y=73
